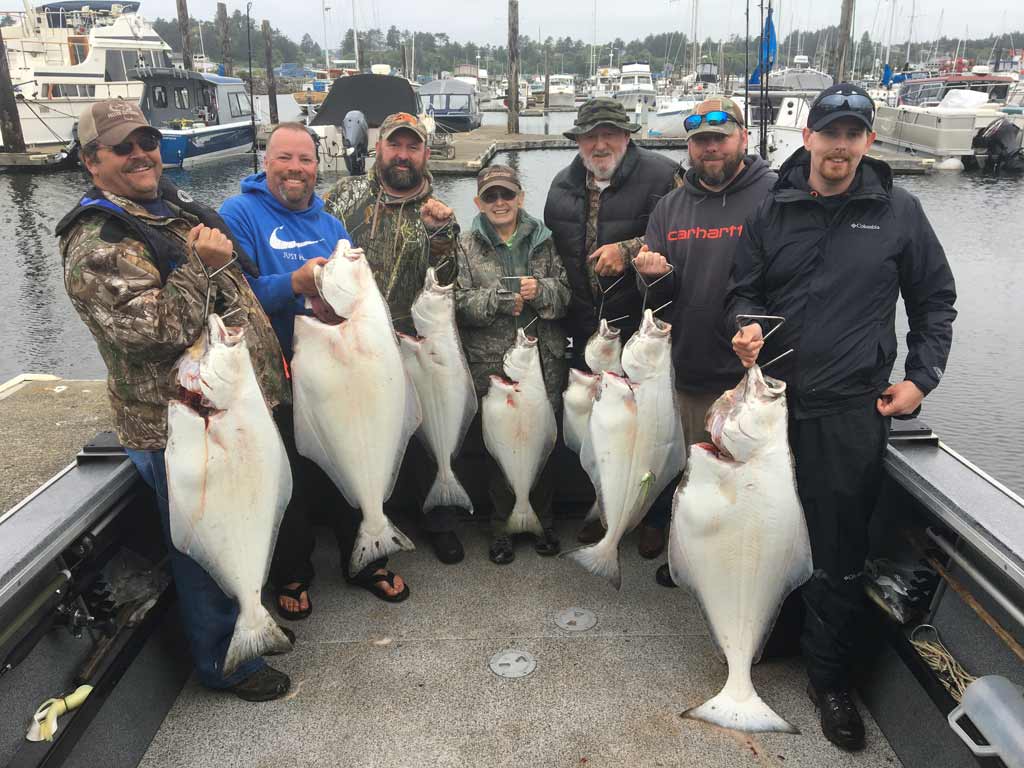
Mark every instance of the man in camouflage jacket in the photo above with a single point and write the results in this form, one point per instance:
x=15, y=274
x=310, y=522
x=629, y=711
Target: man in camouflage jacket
x=392, y=215
x=506, y=242
x=139, y=271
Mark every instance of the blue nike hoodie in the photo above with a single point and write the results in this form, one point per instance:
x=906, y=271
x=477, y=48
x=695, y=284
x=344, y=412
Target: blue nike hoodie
x=280, y=240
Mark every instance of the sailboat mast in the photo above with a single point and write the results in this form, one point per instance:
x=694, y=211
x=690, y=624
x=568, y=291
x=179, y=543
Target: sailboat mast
x=910, y=31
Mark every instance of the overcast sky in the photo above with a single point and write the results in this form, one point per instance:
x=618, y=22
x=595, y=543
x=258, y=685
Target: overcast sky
x=485, y=21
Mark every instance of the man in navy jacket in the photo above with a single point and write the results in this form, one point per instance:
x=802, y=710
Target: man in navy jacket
x=279, y=219
x=831, y=249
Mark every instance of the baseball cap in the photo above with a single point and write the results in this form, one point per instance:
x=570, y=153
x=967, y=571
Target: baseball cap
x=111, y=122
x=726, y=127
x=402, y=121
x=839, y=101
x=498, y=176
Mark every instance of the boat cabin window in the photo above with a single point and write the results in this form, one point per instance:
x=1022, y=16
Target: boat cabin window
x=65, y=90
x=457, y=101
x=78, y=48
x=239, y=104
x=159, y=97
x=181, y=98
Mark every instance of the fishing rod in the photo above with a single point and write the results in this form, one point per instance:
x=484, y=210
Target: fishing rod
x=746, y=71
x=252, y=91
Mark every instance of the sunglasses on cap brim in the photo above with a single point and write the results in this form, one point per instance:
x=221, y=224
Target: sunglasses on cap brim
x=853, y=102
x=147, y=142
x=714, y=119
x=491, y=195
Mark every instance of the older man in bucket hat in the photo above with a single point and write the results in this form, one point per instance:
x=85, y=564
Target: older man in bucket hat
x=597, y=210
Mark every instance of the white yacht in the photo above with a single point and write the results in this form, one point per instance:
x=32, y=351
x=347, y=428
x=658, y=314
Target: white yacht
x=604, y=83
x=64, y=56
x=561, y=91
x=636, y=87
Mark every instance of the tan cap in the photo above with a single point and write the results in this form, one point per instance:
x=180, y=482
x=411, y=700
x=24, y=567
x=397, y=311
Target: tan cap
x=498, y=176
x=400, y=121
x=111, y=122
x=717, y=104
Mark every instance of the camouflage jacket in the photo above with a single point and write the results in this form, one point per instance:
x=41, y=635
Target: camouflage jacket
x=398, y=247
x=483, y=309
x=142, y=324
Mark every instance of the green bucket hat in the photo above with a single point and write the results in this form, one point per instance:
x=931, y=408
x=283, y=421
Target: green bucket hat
x=600, y=111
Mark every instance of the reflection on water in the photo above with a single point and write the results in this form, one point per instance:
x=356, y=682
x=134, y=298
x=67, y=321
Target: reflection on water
x=978, y=220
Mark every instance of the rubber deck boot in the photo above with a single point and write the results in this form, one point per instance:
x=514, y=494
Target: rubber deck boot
x=664, y=576
x=652, y=542
x=548, y=544
x=591, y=533
x=447, y=547
x=265, y=684
x=501, y=552
x=840, y=720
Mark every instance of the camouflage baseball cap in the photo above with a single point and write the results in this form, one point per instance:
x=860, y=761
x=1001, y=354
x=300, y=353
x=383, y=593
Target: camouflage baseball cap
x=497, y=176
x=400, y=121
x=600, y=111
x=111, y=122
x=717, y=104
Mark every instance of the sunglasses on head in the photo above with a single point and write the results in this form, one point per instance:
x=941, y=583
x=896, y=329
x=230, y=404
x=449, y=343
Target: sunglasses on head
x=715, y=118
x=492, y=194
x=854, y=102
x=147, y=143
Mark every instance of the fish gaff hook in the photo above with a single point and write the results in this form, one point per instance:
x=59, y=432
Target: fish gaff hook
x=742, y=320
x=209, y=282
x=648, y=286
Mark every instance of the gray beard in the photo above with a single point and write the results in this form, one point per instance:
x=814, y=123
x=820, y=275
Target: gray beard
x=602, y=175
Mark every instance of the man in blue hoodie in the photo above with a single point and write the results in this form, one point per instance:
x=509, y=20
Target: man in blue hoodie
x=280, y=221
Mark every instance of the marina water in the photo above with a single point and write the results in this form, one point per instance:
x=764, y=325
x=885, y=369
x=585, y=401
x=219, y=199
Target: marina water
x=977, y=409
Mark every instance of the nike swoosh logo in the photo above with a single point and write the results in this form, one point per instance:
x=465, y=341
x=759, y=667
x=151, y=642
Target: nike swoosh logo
x=281, y=245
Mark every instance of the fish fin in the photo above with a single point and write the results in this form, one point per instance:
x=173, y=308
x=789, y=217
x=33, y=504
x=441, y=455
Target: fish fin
x=447, y=491
x=593, y=513
x=410, y=423
x=750, y=716
x=369, y=547
x=524, y=520
x=601, y=559
x=185, y=459
x=253, y=638
x=472, y=405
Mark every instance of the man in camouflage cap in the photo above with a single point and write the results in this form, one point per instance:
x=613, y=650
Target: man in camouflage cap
x=140, y=259
x=597, y=210
x=403, y=229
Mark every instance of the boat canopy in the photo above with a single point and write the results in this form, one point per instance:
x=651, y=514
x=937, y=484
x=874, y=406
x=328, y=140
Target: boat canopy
x=376, y=96
x=447, y=87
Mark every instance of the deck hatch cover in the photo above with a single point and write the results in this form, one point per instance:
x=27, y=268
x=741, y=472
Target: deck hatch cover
x=513, y=663
x=576, y=619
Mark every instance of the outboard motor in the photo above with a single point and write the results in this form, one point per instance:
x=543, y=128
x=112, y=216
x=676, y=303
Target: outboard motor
x=355, y=135
x=1002, y=142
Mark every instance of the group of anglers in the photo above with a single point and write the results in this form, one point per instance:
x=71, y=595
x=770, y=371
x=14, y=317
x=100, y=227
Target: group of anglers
x=828, y=243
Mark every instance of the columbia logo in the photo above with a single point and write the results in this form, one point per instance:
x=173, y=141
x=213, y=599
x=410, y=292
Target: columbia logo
x=858, y=225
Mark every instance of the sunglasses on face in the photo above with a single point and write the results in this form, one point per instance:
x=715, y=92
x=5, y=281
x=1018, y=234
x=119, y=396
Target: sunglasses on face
x=715, y=118
x=854, y=102
x=147, y=143
x=492, y=194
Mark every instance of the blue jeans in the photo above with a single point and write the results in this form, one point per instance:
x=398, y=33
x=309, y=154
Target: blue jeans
x=206, y=612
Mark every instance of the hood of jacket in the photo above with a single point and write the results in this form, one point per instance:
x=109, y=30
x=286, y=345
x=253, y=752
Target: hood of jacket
x=873, y=178
x=756, y=168
x=532, y=227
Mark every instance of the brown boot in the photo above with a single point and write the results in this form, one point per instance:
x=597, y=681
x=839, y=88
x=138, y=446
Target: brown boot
x=591, y=533
x=652, y=542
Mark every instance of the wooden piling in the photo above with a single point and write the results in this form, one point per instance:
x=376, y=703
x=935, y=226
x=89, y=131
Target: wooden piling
x=845, y=22
x=10, y=123
x=225, y=38
x=186, y=38
x=512, y=92
x=268, y=50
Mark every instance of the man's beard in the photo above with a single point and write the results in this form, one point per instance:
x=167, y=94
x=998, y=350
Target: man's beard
x=401, y=177
x=728, y=168
x=294, y=196
x=837, y=174
x=611, y=164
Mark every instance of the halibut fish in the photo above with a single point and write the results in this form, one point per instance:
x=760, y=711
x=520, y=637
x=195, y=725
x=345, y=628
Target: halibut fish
x=355, y=405
x=577, y=403
x=228, y=481
x=519, y=428
x=438, y=368
x=634, y=443
x=604, y=349
x=739, y=540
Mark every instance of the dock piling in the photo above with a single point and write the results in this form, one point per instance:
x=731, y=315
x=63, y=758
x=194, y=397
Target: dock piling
x=186, y=38
x=268, y=49
x=10, y=123
x=512, y=92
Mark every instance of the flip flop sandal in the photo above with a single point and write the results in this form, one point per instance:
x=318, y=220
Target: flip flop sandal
x=294, y=594
x=370, y=582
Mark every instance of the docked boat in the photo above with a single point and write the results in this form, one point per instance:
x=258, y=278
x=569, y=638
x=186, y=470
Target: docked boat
x=636, y=87
x=561, y=91
x=452, y=103
x=799, y=76
x=65, y=56
x=604, y=83
x=202, y=117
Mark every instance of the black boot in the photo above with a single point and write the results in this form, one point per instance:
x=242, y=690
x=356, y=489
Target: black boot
x=548, y=544
x=265, y=684
x=840, y=720
x=447, y=546
x=501, y=552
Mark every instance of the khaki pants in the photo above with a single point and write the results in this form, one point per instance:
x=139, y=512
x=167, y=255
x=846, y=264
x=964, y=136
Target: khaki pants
x=693, y=407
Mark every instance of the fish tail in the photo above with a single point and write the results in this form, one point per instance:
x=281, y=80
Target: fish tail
x=447, y=491
x=601, y=559
x=523, y=519
x=256, y=633
x=374, y=546
x=751, y=715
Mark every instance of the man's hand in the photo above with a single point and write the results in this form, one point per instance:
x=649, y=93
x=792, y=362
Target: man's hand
x=610, y=260
x=651, y=263
x=212, y=246
x=323, y=312
x=900, y=399
x=303, y=278
x=517, y=308
x=529, y=288
x=435, y=214
x=747, y=343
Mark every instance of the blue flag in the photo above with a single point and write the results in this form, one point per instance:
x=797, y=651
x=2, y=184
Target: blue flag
x=755, y=77
x=769, y=44
x=887, y=75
